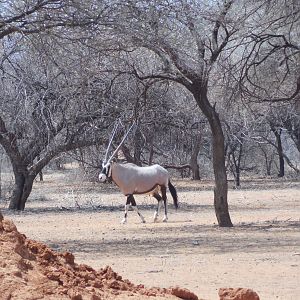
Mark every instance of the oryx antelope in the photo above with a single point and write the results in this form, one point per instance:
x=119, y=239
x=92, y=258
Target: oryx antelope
x=132, y=179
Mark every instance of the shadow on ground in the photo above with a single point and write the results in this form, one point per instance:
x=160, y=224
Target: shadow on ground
x=188, y=239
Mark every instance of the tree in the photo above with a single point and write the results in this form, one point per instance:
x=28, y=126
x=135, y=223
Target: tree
x=163, y=29
x=46, y=108
x=71, y=68
x=48, y=125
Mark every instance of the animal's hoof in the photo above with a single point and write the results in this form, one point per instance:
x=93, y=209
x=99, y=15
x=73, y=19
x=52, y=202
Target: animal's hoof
x=165, y=220
x=124, y=221
x=155, y=220
x=143, y=221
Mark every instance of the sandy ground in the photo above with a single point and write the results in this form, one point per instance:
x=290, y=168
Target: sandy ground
x=261, y=251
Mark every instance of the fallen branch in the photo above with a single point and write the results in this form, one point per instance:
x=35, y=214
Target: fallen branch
x=182, y=167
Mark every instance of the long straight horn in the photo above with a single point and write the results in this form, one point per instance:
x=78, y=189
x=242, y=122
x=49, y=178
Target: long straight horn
x=124, y=138
x=111, y=139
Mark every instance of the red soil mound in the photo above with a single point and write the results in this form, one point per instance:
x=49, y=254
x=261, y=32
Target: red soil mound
x=31, y=270
x=237, y=294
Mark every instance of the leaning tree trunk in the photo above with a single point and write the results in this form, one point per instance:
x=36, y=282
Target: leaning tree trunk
x=221, y=185
x=21, y=191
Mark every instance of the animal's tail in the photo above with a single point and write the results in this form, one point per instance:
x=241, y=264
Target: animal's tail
x=173, y=193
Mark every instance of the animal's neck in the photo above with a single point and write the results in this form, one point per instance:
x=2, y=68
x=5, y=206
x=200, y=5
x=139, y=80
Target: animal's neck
x=114, y=170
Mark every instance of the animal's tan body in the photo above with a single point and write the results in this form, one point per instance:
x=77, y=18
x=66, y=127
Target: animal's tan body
x=132, y=179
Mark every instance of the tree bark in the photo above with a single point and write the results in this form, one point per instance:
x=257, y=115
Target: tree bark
x=21, y=191
x=221, y=185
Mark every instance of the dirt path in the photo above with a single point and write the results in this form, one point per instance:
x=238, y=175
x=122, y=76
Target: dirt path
x=261, y=252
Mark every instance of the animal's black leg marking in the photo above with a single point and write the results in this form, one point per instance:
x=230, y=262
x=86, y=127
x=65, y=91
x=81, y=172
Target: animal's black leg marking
x=128, y=201
x=164, y=197
x=157, y=196
x=132, y=201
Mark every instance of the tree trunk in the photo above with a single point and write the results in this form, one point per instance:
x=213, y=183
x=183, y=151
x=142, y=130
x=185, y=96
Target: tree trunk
x=281, y=165
x=221, y=185
x=279, y=148
x=195, y=171
x=237, y=178
x=194, y=159
x=41, y=176
x=21, y=190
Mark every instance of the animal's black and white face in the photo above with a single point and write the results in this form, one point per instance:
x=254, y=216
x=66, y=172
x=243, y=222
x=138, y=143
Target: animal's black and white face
x=105, y=172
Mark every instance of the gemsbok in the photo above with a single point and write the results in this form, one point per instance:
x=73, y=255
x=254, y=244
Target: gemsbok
x=132, y=179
